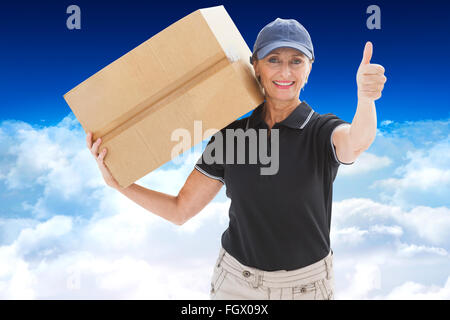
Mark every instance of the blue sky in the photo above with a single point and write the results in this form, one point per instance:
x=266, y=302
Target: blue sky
x=43, y=59
x=64, y=234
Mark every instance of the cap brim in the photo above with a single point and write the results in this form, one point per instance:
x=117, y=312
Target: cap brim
x=264, y=51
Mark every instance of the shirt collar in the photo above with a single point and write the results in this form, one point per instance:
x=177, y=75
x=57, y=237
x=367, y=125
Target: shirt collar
x=296, y=120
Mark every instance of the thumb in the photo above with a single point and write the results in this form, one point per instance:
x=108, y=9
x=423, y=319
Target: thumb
x=367, y=55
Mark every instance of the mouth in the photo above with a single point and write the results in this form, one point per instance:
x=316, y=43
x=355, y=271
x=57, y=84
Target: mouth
x=283, y=84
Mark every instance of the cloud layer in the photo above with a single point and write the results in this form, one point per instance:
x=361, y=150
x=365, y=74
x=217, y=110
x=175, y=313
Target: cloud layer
x=64, y=234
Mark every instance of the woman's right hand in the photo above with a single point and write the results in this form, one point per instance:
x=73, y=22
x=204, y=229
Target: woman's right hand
x=93, y=147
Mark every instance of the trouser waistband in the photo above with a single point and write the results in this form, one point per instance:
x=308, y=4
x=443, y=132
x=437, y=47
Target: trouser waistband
x=280, y=278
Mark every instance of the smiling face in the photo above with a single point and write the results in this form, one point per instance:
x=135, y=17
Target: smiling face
x=283, y=73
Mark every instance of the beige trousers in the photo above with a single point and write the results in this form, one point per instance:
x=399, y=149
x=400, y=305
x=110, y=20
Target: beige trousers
x=232, y=280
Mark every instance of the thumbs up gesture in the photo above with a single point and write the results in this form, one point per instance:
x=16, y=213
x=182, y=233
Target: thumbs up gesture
x=370, y=77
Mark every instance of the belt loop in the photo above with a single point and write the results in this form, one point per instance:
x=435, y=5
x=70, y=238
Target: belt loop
x=222, y=253
x=257, y=281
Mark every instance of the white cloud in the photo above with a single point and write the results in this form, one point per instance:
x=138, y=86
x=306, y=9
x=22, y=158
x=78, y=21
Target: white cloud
x=120, y=256
x=40, y=154
x=16, y=279
x=52, y=162
x=379, y=247
x=215, y=211
x=348, y=236
x=124, y=229
x=366, y=278
x=423, y=171
x=372, y=276
x=353, y=235
x=171, y=180
x=10, y=228
x=130, y=278
x=431, y=224
x=412, y=250
x=84, y=240
x=416, y=291
x=396, y=231
x=386, y=122
x=422, y=176
x=117, y=249
x=47, y=231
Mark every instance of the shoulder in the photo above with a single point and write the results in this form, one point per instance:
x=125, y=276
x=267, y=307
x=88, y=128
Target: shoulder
x=237, y=124
x=325, y=121
x=323, y=118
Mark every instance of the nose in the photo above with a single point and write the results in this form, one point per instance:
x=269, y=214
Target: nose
x=285, y=70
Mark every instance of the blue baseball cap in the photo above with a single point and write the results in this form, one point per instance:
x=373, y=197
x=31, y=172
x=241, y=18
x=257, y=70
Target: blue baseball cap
x=283, y=33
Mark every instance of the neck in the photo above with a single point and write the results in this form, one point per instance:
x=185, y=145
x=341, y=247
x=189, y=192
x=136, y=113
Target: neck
x=277, y=111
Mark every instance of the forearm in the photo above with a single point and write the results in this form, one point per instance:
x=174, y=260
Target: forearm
x=161, y=204
x=364, y=125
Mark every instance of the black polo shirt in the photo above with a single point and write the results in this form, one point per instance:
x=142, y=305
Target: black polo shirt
x=281, y=221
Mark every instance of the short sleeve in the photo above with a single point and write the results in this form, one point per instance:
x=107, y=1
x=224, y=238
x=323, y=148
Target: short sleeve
x=326, y=124
x=216, y=169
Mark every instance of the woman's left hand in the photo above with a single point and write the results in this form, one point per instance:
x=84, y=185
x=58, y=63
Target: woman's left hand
x=370, y=77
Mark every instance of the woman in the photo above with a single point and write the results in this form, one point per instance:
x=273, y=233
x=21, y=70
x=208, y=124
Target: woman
x=277, y=245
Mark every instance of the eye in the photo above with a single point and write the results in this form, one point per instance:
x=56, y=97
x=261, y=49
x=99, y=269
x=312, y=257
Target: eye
x=273, y=60
x=298, y=61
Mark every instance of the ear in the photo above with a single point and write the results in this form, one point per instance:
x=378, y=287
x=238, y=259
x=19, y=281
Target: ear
x=309, y=71
x=255, y=67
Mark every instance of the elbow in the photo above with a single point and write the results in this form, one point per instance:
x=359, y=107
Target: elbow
x=361, y=148
x=358, y=151
x=181, y=216
x=179, y=219
x=361, y=144
x=365, y=147
x=369, y=143
x=184, y=211
x=178, y=223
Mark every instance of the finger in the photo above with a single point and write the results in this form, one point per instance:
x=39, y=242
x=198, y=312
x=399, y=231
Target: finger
x=372, y=68
x=89, y=140
x=94, y=149
x=374, y=77
x=372, y=85
x=102, y=155
x=367, y=55
x=369, y=79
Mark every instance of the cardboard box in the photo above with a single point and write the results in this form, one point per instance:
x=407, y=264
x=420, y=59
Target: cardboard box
x=198, y=68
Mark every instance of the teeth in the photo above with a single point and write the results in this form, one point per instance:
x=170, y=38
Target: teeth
x=284, y=83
